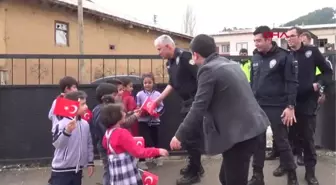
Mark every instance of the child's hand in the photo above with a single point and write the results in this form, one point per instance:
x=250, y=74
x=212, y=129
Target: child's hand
x=145, y=113
x=163, y=152
x=71, y=126
x=137, y=113
x=90, y=171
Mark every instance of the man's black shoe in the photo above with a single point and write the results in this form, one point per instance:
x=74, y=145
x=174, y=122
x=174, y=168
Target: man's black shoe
x=292, y=178
x=310, y=177
x=311, y=180
x=272, y=155
x=187, y=169
x=188, y=179
x=280, y=171
x=257, y=179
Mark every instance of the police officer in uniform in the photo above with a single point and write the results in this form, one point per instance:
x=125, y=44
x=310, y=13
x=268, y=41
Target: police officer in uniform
x=308, y=57
x=183, y=79
x=293, y=137
x=274, y=83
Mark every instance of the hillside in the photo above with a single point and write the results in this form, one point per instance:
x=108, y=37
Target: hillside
x=323, y=16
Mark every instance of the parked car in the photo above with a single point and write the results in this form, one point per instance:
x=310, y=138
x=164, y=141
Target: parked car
x=134, y=78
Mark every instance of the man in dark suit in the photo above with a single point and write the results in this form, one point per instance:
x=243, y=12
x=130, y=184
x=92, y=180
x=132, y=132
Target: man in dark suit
x=222, y=93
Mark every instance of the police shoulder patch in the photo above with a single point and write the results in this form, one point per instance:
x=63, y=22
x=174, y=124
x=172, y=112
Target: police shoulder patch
x=308, y=53
x=272, y=63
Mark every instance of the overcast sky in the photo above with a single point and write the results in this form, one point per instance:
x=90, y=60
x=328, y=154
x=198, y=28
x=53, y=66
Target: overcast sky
x=213, y=15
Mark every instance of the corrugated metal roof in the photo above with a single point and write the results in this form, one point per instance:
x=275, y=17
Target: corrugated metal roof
x=94, y=8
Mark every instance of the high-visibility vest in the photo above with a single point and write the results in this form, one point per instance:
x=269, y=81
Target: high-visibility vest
x=247, y=69
x=318, y=72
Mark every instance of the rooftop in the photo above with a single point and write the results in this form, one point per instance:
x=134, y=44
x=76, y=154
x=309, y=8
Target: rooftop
x=94, y=8
x=250, y=30
x=315, y=26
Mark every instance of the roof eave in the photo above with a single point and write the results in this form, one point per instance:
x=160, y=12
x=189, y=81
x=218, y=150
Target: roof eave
x=229, y=34
x=122, y=20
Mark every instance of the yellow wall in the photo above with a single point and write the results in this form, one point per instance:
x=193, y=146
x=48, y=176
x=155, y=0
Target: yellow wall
x=29, y=28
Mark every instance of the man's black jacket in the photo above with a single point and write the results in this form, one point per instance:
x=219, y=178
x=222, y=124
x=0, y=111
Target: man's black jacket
x=310, y=57
x=274, y=77
x=183, y=77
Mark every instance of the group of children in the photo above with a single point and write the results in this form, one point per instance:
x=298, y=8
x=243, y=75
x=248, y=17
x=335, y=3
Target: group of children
x=115, y=121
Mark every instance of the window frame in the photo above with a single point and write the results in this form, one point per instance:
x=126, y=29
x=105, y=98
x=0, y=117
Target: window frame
x=319, y=42
x=241, y=43
x=67, y=33
x=227, y=45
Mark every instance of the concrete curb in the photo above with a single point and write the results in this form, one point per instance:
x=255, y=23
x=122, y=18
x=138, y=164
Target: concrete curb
x=325, y=155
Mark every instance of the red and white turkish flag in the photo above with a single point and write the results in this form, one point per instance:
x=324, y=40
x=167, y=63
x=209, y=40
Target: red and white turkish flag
x=65, y=107
x=149, y=178
x=140, y=141
x=87, y=115
x=149, y=106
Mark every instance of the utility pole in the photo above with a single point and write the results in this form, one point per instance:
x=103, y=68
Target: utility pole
x=155, y=19
x=81, y=40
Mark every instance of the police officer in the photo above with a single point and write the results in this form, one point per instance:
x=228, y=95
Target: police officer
x=245, y=63
x=306, y=40
x=308, y=57
x=274, y=83
x=294, y=138
x=183, y=79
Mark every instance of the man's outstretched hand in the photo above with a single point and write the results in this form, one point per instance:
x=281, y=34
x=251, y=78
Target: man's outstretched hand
x=175, y=144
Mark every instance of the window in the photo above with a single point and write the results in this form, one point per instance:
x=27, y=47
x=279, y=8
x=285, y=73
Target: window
x=226, y=48
x=322, y=42
x=217, y=49
x=241, y=45
x=61, y=33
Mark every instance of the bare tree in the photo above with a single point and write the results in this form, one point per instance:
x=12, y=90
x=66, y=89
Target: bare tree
x=189, y=21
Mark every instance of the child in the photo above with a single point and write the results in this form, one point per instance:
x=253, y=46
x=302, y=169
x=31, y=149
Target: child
x=73, y=146
x=120, y=88
x=122, y=148
x=67, y=84
x=106, y=93
x=129, y=102
x=149, y=125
